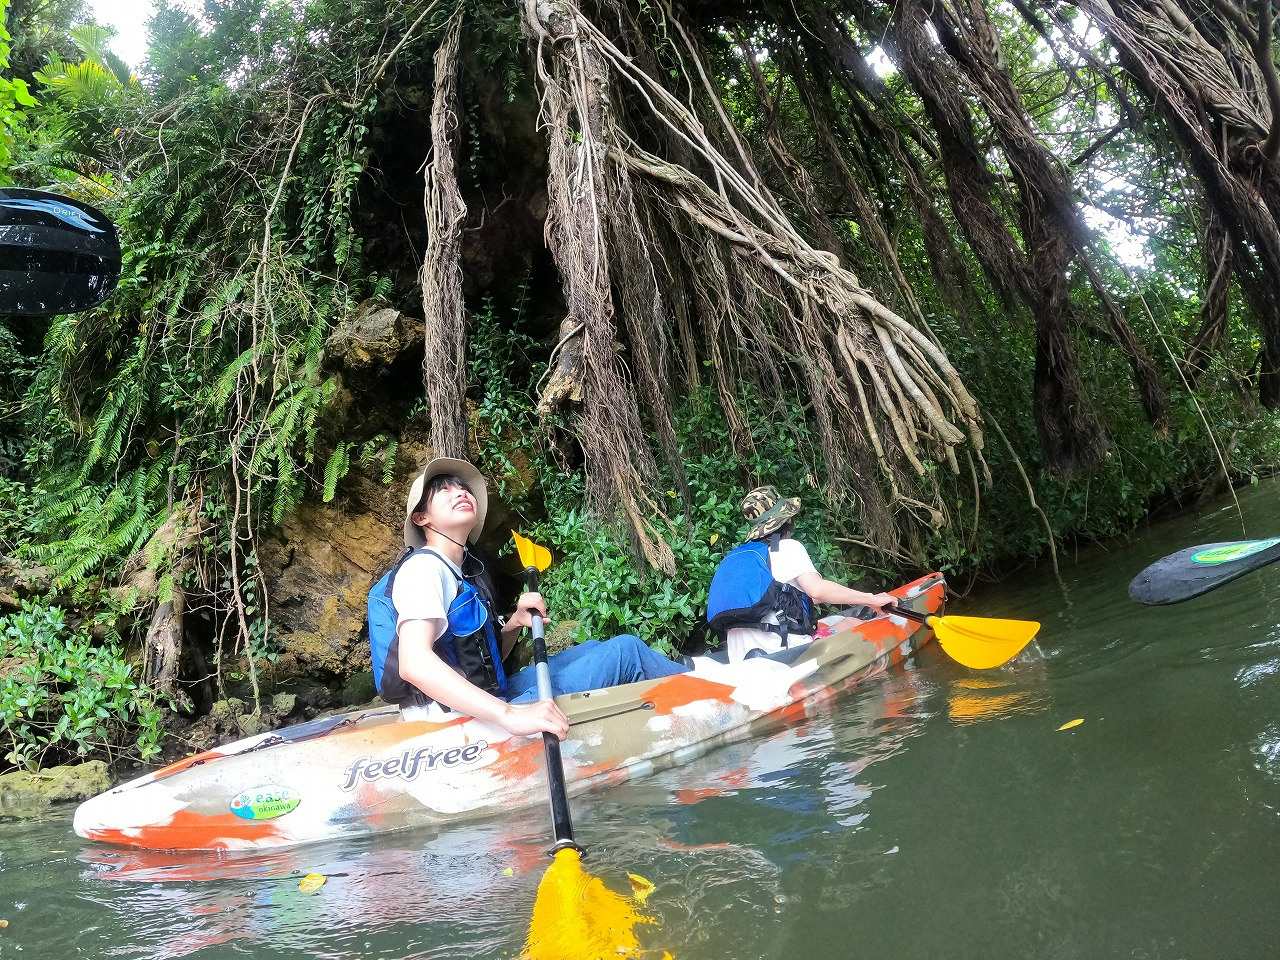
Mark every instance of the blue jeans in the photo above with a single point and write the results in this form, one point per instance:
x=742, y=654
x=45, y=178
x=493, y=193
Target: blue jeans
x=594, y=665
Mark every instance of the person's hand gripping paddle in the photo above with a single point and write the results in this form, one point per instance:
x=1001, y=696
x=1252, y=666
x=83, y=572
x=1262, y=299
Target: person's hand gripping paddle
x=576, y=917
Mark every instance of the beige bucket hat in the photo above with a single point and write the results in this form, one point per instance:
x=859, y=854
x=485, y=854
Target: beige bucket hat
x=464, y=471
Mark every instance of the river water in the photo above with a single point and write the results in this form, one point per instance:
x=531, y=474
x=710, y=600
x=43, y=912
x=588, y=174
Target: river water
x=933, y=812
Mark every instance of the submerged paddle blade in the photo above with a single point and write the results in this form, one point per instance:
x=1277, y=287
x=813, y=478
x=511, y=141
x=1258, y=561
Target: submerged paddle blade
x=57, y=255
x=980, y=642
x=577, y=917
x=1196, y=570
x=531, y=555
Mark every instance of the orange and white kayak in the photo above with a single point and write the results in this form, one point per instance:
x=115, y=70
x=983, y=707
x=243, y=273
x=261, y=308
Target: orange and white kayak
x=371, y=771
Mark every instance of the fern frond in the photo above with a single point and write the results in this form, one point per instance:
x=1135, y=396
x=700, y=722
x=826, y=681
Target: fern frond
x=226, y=384
x=337, y=467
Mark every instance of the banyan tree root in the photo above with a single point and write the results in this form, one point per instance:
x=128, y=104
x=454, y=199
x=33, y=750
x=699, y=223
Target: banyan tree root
x=156, y=574
x=443, y=364
x=881, y=390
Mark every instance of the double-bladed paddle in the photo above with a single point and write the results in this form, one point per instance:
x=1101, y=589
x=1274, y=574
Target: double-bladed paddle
x=977, y=642
x=576, y=917
x=1196, y=570
x=57, y=255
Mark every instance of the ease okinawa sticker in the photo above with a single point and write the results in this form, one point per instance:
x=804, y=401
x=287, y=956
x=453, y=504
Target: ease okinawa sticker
x=265, y=803
x=1233, y=551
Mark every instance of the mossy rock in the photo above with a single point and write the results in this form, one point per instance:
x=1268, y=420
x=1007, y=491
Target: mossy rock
x=561, y=636
x=359, y=689
x=21, y=791
x=251, y=724
x=227, y=710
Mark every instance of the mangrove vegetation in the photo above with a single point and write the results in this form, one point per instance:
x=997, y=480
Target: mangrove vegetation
x=976, y=281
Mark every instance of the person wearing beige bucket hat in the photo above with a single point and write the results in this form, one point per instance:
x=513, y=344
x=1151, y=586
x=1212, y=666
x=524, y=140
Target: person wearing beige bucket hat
x=436, y=641
x=471, y=479
x=763, y=593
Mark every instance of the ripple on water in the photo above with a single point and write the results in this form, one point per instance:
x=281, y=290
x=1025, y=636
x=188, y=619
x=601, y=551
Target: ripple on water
x=1266, y=751
x=933, y=811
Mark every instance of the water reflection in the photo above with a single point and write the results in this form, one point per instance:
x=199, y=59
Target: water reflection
x=976, y=699
x=1267, y=750
x=407, y=895
x=934, y=811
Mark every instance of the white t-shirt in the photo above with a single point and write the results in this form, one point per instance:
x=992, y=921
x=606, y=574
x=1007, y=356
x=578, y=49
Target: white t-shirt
x=789, y=561
x=424, y=589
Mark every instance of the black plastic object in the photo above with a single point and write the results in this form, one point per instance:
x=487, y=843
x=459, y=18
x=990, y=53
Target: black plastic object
x=1196, y=570
x=57, y=255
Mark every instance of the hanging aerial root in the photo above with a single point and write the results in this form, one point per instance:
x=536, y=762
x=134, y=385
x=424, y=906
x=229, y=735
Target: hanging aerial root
x=580, y=119
x=776, y=312
x=813, y=278
x=445, y=328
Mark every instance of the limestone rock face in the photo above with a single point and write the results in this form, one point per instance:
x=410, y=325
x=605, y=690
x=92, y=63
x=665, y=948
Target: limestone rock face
x=375, y=335
x=321, y=561
x=319, y=569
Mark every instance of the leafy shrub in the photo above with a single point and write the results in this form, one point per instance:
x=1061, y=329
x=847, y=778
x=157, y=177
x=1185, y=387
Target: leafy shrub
x=63, y=695
x=600, y=582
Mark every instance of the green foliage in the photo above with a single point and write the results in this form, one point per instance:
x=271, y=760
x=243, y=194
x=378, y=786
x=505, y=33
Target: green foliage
x=235, y=169
x=200, y=381
x=337, y=467
x=508, y=434
x=64, y=695
x=201, y=378
x=39, y=29
x=601, y=582
x=382, y=449
x=598, y=581
x=15, y=97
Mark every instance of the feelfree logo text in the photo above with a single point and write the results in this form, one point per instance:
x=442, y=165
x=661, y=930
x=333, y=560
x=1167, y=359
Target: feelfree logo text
x=411, y=763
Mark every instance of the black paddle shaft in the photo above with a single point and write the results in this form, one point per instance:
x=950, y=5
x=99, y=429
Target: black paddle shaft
x=908, y=613
x=561, y=822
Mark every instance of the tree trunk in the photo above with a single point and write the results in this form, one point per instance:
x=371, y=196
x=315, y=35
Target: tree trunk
x=155, y=575
x=1208, y=69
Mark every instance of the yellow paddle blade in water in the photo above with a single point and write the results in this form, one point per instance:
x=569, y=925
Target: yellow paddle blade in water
x=531, y=555
x=577, y=917
x=982, y=643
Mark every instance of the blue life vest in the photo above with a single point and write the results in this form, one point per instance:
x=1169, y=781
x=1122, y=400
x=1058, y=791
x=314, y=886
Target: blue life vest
x=744, y=592
x=469, y=643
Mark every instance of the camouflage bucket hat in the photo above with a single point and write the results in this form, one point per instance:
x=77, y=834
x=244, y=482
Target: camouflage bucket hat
x=766, y=511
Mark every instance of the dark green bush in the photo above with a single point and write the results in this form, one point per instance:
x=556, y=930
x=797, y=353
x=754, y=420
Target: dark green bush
x=64, y=695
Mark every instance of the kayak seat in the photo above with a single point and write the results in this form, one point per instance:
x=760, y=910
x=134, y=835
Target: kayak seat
x=787, y=656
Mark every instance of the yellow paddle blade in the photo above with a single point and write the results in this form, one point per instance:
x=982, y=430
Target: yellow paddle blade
x=531, y=555
x=982, y=643
x=577, y=917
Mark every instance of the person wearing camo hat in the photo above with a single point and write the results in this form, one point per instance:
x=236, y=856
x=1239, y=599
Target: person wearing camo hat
x=767, y=511
x=770, y=520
